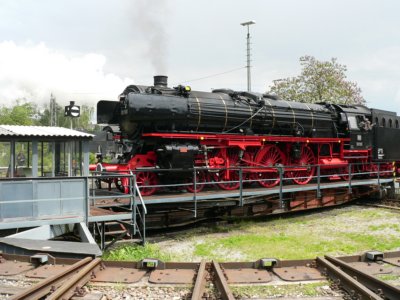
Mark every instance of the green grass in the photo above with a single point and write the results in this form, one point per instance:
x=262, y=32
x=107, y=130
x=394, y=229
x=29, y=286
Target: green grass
x=337, y=232
x=287, y=290
x=395, y=227
x=388, y=277
x=133, y=252
x=292, y=246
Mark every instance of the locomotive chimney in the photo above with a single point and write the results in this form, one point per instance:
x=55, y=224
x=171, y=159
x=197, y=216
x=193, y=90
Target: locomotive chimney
x=161, y=81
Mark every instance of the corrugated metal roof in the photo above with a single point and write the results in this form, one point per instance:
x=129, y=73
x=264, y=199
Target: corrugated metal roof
x=40, y=131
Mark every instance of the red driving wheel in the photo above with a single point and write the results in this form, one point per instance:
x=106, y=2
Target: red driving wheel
x=228, y=179
x=306, y=160
x=269, y=156
x=146, y=182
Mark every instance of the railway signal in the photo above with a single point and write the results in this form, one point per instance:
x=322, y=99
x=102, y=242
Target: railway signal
x=72, y=110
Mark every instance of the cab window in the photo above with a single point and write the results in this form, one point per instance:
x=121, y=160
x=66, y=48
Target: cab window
x=352, y=122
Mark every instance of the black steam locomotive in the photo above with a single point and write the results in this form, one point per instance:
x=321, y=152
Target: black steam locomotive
x=221, y=131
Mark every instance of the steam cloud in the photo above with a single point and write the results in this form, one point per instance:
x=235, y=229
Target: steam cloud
x=150, y=18
x=33, y=72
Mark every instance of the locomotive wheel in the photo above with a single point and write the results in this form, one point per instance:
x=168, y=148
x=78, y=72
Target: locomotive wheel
x=373, y=171
x=345, y=172
x=228, y=175
x=145, y=182
x=389, y=170
x=385, y=170
x=306, y=159
x=200, y=179
x=269, y=156
x=248, y=161
x=122, y=184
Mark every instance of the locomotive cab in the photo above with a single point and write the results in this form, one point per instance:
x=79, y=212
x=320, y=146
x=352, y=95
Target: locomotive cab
x=355, y=122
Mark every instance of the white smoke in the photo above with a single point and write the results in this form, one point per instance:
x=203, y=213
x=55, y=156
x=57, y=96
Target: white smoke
x=33, y=72
x=150, y=18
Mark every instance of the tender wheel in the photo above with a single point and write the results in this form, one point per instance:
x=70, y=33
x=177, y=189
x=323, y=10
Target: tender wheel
x=307, y=160
x=231, y=159
x=146, y=182
x=385, y=170
x=269, y=156
x=200, y=178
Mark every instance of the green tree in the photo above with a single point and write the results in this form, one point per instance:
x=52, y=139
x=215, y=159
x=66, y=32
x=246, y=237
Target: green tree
x=23, y=113
x=83, y=122
x=319, y=81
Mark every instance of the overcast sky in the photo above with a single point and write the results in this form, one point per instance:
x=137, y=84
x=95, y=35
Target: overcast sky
x=90, y=50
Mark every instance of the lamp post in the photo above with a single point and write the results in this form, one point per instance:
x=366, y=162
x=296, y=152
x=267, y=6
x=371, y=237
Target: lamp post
x=248, y=53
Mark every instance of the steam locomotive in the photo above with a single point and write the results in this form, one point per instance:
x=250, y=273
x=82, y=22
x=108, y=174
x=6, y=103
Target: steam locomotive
x=163, y=128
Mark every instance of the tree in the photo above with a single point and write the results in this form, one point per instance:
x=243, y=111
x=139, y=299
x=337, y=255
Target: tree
x=319, y=81
x=83, y=122
x=23, y=113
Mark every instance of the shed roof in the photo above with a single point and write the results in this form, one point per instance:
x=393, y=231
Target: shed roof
x=41, y=131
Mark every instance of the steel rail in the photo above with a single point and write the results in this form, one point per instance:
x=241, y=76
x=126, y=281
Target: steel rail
x=45, y=286
x=76, y=282
x=356, y=289
x=200, y=283
x=221, y=283
x=384, y=289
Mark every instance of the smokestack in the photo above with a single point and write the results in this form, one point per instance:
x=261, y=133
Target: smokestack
x=161, y=81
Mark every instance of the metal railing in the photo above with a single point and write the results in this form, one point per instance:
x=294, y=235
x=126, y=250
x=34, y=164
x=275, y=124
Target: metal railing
x=348, y=173
x=137, y=214
x=53, y=210
x=30, y=202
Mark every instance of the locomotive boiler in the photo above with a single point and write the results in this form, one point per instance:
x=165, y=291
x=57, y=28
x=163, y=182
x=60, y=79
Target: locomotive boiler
x=218, y=132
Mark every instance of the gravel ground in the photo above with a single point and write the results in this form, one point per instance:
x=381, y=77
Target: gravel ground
x=355, y=220
x=13, y=284
x=142, y=292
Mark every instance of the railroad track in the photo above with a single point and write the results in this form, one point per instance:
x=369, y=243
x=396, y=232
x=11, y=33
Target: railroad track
x=349, y=277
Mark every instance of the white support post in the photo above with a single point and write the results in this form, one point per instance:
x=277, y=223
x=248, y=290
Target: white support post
x=69, y=151
x=53, y=158
x=12, y=158
x=35, y=158
x=85, y=149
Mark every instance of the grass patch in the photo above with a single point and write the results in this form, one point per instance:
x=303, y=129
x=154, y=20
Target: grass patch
x=133, y=252
x=342, y=231
x=289, y=290
x=395, y=227
x=298, y=245
x=388, y=277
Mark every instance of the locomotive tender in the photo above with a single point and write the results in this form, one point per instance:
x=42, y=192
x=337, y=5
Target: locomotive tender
x=220, y=131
